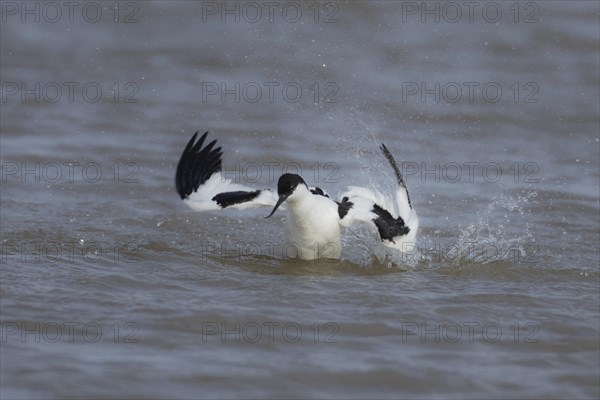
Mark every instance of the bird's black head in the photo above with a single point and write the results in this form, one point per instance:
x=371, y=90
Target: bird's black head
x=286, y=185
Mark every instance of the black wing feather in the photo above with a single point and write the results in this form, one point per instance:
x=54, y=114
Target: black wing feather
x=344, y=207
x=318, y=191
x=388, y=155
x=196, y=165
x=388, y=226
x=231, y=198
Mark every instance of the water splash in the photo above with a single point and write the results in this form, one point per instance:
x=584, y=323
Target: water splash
x=489, y=238
x=500, y=232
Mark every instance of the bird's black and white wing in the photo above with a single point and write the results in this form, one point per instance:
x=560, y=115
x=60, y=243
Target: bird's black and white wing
x=202, y=186
x=393, y=217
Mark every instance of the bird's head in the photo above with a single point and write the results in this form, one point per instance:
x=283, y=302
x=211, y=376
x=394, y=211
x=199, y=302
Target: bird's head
x=289, y=187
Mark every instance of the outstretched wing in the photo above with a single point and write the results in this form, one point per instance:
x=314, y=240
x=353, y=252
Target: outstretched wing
x=202, y=186
x=393, y=217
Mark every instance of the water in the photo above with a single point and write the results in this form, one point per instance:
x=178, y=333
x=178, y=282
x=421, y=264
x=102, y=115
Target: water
x=111, y=287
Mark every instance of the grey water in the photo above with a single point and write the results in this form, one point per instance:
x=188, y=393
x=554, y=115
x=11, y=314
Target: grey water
x=110, y=287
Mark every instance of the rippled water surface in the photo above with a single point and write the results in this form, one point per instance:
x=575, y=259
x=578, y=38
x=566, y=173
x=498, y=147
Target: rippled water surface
x=111, y=287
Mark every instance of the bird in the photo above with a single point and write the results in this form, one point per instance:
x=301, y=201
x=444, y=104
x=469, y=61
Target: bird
x=314, y=220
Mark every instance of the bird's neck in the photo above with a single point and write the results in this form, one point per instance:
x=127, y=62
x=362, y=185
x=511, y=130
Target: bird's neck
x=302, y=203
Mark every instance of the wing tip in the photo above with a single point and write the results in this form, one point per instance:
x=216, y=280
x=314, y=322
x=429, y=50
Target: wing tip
x=227, y=199
x=196, y=165
x=399, y=178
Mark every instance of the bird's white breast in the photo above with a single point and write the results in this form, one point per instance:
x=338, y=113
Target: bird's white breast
x=312, y=228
